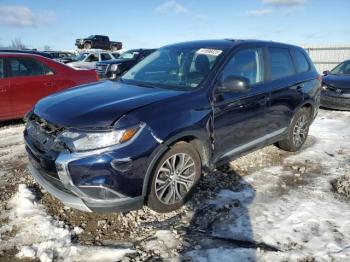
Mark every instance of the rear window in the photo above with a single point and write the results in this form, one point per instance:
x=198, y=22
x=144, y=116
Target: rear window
x=281, y=64
x=301, y=62
x=28, y=67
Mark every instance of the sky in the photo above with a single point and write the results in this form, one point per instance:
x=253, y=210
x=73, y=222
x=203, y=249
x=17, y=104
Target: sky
x=154, y=23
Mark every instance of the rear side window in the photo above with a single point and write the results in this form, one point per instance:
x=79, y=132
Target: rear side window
x=247, y=63
x=92, y=58
x=2, y=72
x=281, y=64
x=301, y=62
x=28, y=67
x=105, y=57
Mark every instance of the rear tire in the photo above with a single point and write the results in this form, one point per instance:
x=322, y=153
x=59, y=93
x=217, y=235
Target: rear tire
x=87, y=46
x=297, y=131
x=175, y=178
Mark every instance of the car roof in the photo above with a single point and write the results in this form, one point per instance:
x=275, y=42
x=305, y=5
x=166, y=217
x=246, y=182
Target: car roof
x=25, y=52
x=16, y=54
x=228, y=43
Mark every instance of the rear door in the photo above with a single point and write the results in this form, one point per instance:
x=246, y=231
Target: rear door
x=30, y=80
x=286, y=88
x=5, y=98
x=240, y=118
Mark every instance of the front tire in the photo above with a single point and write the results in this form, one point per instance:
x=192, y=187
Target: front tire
x=87, y=46
x=114, y=48
x=175, y=178
x=297, y=131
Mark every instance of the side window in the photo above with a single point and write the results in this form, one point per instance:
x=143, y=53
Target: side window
x=281, y=64
x=301, y=62
x=92, y=58
x=2, y=67
x=246, y=63
x=105, y=56
x=28, y=67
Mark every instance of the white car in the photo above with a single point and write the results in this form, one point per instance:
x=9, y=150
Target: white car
x=88, y=60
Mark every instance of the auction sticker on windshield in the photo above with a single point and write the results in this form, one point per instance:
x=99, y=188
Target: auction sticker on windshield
x=208, y=51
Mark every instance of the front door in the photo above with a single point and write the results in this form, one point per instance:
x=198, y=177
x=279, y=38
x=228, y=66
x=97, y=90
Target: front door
x=5, y=98
x=240, y=118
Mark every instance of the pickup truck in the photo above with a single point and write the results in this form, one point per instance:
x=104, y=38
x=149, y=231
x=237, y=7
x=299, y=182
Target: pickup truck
x=98, y=42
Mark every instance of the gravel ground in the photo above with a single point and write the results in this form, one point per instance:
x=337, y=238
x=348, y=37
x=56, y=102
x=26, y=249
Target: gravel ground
x=144, y=229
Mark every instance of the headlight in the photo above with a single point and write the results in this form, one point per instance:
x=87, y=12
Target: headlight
x=324, y=87
x=113, y=67
x=83, y=141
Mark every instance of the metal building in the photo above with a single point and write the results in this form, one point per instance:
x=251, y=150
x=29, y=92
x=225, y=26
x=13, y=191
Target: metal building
x=326, y=57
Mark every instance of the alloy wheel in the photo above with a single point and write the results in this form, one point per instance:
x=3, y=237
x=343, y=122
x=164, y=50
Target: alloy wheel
x=300, y=130
x=175, y=178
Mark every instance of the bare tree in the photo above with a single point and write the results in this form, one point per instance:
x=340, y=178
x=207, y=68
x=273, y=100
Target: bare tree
x=17, y=44
x=47, y=48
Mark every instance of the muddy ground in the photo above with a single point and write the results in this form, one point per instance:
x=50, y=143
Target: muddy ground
x=137, y=229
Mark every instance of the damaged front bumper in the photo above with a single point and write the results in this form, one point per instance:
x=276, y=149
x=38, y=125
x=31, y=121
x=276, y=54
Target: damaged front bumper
x=108, y=180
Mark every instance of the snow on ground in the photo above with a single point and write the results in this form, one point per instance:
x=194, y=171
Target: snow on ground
x=291, y=207
x=38, y=235
x=11, y=144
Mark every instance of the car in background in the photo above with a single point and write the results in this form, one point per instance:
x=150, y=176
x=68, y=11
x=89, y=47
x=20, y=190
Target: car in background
x=26, y=51
x=88, y=60
x=62, y=56
x=114, y=68
x=183, y=110
x=98, y=42
x=336, y=87
x=26, y=78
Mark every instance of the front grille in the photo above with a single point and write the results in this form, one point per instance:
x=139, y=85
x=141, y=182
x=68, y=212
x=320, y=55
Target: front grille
x=101, y=69
x=42, y=134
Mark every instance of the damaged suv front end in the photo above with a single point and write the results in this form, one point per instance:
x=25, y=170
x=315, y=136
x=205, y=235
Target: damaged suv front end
x=90, y=170
x=97, y=168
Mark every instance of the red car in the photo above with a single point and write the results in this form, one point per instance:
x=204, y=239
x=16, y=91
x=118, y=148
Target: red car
x=25, y=78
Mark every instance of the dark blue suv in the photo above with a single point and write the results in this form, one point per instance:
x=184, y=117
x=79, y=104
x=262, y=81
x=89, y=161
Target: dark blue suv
x=180, y=112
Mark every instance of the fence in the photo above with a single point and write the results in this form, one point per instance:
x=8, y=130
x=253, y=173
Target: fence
x=326, y=57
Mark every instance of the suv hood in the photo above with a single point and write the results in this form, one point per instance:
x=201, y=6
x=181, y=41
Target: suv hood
x=338, y=81
x=97, y=105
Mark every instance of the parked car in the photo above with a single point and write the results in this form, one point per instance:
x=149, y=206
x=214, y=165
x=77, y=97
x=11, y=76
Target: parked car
x=116, y=67
x=26, y=51
x=182, y=111
x=336, y=87
x=25, y=78
x=88, y=60
x=61, y=56
x=98, y=42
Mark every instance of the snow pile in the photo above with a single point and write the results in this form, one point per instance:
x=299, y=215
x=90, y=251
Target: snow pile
x=39, y=235
x=291, y=207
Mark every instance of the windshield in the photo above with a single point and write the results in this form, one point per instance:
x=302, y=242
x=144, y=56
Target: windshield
x=184, y=68
x=341, y=69
x=82, y=56
x=128, y=55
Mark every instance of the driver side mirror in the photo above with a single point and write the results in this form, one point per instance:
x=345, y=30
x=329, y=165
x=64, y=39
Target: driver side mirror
x=325, y=72
x=234, y=84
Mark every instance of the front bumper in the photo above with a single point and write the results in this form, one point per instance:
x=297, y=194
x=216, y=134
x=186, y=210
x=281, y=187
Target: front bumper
x=335, y=101
x=69, y=197
x=108, y=180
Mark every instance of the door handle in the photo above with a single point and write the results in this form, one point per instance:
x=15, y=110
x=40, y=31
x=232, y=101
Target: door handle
x=50, y=84
x=263, y=101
